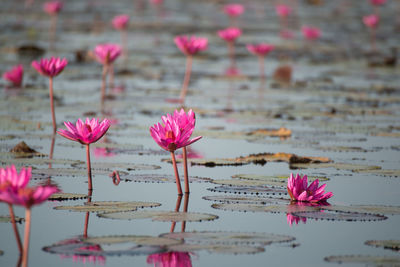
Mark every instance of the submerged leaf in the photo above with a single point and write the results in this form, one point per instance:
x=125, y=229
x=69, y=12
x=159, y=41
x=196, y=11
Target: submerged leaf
x=366, y=259
x=387, y=244
x=7, y=219
x=171, y=216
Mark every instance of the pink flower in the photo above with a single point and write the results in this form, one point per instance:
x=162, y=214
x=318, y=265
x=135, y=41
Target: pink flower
x=175, y=131
x=52, y=7
x=86, y=132
x=15, y=75
x=260, y=49
x=156, y=2
x=283, y=10
x=286, y=34
x=377, y=2
x=232, y=71
x=299, y=190
x=120, y=22
x=233, y=10
x=107, y=53
x=311, y=33
x=50, y=67
x=170, y=259
x=190, y=45
x=9, y=177
x=230, y=34
x=371, y=21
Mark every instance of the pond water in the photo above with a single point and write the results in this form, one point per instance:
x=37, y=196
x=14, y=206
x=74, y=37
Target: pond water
x=341, y=105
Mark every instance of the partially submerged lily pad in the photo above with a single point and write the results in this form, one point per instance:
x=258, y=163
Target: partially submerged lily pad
x=162, y=178
x=110, y=166
x=335, y=215
x=217, y=248
x=45, y=173
x=370, y=260
x=376, y=209
x=245, y=199
x=338, y=166
x=168, y=216
x=7, y=219
x=137, y=239
x=67, y=196
x=37, y=161
x=278, y=180
x=387, y=244
x=392, y=173
x=109, y=206
x=251, y=190
x=250, y=207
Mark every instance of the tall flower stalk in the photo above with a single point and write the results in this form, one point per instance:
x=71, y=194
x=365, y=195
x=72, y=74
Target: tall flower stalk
x=120, y=23
x=173, y=134
x=233, y=11
x=229, y=35
x=189, y=46
x=372, y=21
x=260, y=50
x=86, y=133
x=53, y=8
x=50, y=68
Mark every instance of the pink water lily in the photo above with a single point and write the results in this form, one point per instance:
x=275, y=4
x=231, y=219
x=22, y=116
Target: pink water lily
x=299, y=190
x=311, y=33
x=120, y=22
x=230, y=34
x=86, y=133
x=50, y=67
x=15, y=75
x=377, y=2
x=9, y=177
x=233, y=10
x=52, y=7
x=260, y=49
x=107, y=53
x=173, y=134
x=27, y=196
x=191, y=45
x=170, y=259
x=283, y=10
x=371, y=21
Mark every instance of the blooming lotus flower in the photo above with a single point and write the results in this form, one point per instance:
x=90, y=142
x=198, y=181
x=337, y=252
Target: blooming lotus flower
x=299, y=190
x=230, y=34
x=233, y=10
x=190, y=45
x=311, y=33
x=260, y=49
x=170, y=259
x=50, y=67
x=27, y=196
x=371, y=21
x=52, y=7
x=377, y=2
x=120, y=22
x=107, y=53
x=9, y=177
x=15, y=75
x=156, y=2
x=283, y=10
x=86, y=132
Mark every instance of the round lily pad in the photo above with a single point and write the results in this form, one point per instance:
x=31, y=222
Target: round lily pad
x=251, y=190
x=139, y=240
x=162, y=178
x=38, y=161
x=370, y=260
x=217, y=248
x=338, y=166
x=45, y=173
x=245, y=199
x=168, y=216
x=278, y=180
x=376, y=209
x=7, y=219
x=339, y=216
x=109, y=206
x=387, y=244
x=250, y=207
x=239, y=182
x=110, y=166
x=67, y=196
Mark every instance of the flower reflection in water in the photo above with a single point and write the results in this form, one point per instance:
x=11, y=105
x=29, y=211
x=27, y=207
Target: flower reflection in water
x=101, y=260
x=296, y=207
x=173, y=258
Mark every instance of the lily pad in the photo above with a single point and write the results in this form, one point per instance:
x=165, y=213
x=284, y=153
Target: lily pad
x=110, y=166
x=376, y=209
x=244, y=199
x=334, y=215
x=109, y=206
x=137, y=239
x=217, y=248
x=167, y=216
x=38, y=161
x=391, y=173
x=250, y=207
x=365, y=259
x=162, y=178
x=278, y=180
x=387, y=244
x=338, y=166
x=45, y=173
x=251, y=190
x=67, y=196
x=7, y=219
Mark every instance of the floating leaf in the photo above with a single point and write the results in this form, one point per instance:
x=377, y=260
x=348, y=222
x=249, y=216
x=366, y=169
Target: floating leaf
x=171, y=216
x=376, y=209
x=250, y=207
x=226, y=237
x=110, y=166
x=338, y=166
x=237, y=182
x=45, y=173
x=139, y=240
x=335, y=215
x=67, y=196
x=366, y=259
x=387, y=244
x=109, y=206
x=244, y=199
x=279, y=180
x=7, y=219
x=162, y=178
x=256, y=190
x=392, y=173
x=217, y=248
x=38, y=161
